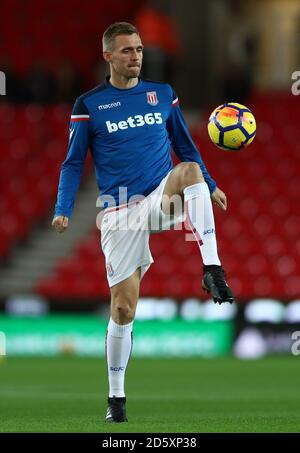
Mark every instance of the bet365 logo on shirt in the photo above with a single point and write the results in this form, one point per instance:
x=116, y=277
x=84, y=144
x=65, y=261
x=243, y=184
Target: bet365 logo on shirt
x=135, y=121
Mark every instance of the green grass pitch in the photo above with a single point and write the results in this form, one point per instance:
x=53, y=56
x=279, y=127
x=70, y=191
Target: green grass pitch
x=68, y=394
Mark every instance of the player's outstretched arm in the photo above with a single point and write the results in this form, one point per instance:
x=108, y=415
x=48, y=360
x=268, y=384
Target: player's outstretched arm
x=60, y=223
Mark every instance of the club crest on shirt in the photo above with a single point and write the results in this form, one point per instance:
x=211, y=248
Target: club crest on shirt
x=152, y=98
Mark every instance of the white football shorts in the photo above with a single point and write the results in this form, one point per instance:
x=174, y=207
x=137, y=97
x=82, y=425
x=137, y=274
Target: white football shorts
x=125, y=233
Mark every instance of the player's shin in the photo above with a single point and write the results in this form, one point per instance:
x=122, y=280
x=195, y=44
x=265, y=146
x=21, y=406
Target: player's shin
x=118, y=350
x=200, y=216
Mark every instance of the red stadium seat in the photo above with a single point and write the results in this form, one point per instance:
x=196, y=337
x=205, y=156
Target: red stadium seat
x=30, y=167
x=52, y=30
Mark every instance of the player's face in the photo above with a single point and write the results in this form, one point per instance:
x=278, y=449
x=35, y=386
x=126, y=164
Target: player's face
x=127, y=55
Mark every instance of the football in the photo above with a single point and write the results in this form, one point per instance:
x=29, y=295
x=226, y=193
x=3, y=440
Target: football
x=232, y=126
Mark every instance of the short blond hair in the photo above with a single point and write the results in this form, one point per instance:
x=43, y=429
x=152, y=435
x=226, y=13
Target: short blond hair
x=114, y=30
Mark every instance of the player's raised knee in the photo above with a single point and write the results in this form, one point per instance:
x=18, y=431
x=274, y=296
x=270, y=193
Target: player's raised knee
x=190, y=173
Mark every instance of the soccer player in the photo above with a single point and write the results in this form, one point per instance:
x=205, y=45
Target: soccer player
x=129, y=125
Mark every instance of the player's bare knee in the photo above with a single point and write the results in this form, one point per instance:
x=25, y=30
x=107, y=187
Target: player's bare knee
x=123, y=308
x=190, y=174
x=125, y=313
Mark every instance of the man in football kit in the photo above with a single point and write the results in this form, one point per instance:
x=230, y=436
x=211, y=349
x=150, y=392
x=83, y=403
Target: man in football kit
x=129, y=125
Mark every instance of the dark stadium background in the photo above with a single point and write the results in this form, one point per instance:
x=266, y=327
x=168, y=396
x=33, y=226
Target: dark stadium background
x=54, y=298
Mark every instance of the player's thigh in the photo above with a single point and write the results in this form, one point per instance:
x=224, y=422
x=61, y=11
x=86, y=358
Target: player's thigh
x=183, y=175
x=172, y=198
x=125, y=249
x=127, y=291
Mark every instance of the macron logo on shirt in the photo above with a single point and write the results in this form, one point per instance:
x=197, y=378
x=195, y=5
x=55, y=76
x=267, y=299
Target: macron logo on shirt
x=109, y=106
x=135, y=121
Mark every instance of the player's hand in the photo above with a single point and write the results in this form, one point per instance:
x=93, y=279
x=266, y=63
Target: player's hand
x=219, y=198
x=60, y=223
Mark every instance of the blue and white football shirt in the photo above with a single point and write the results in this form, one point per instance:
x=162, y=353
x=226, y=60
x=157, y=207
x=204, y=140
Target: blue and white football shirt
x=130, y=134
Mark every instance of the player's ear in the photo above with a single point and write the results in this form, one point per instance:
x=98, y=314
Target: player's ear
x=107, y=56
